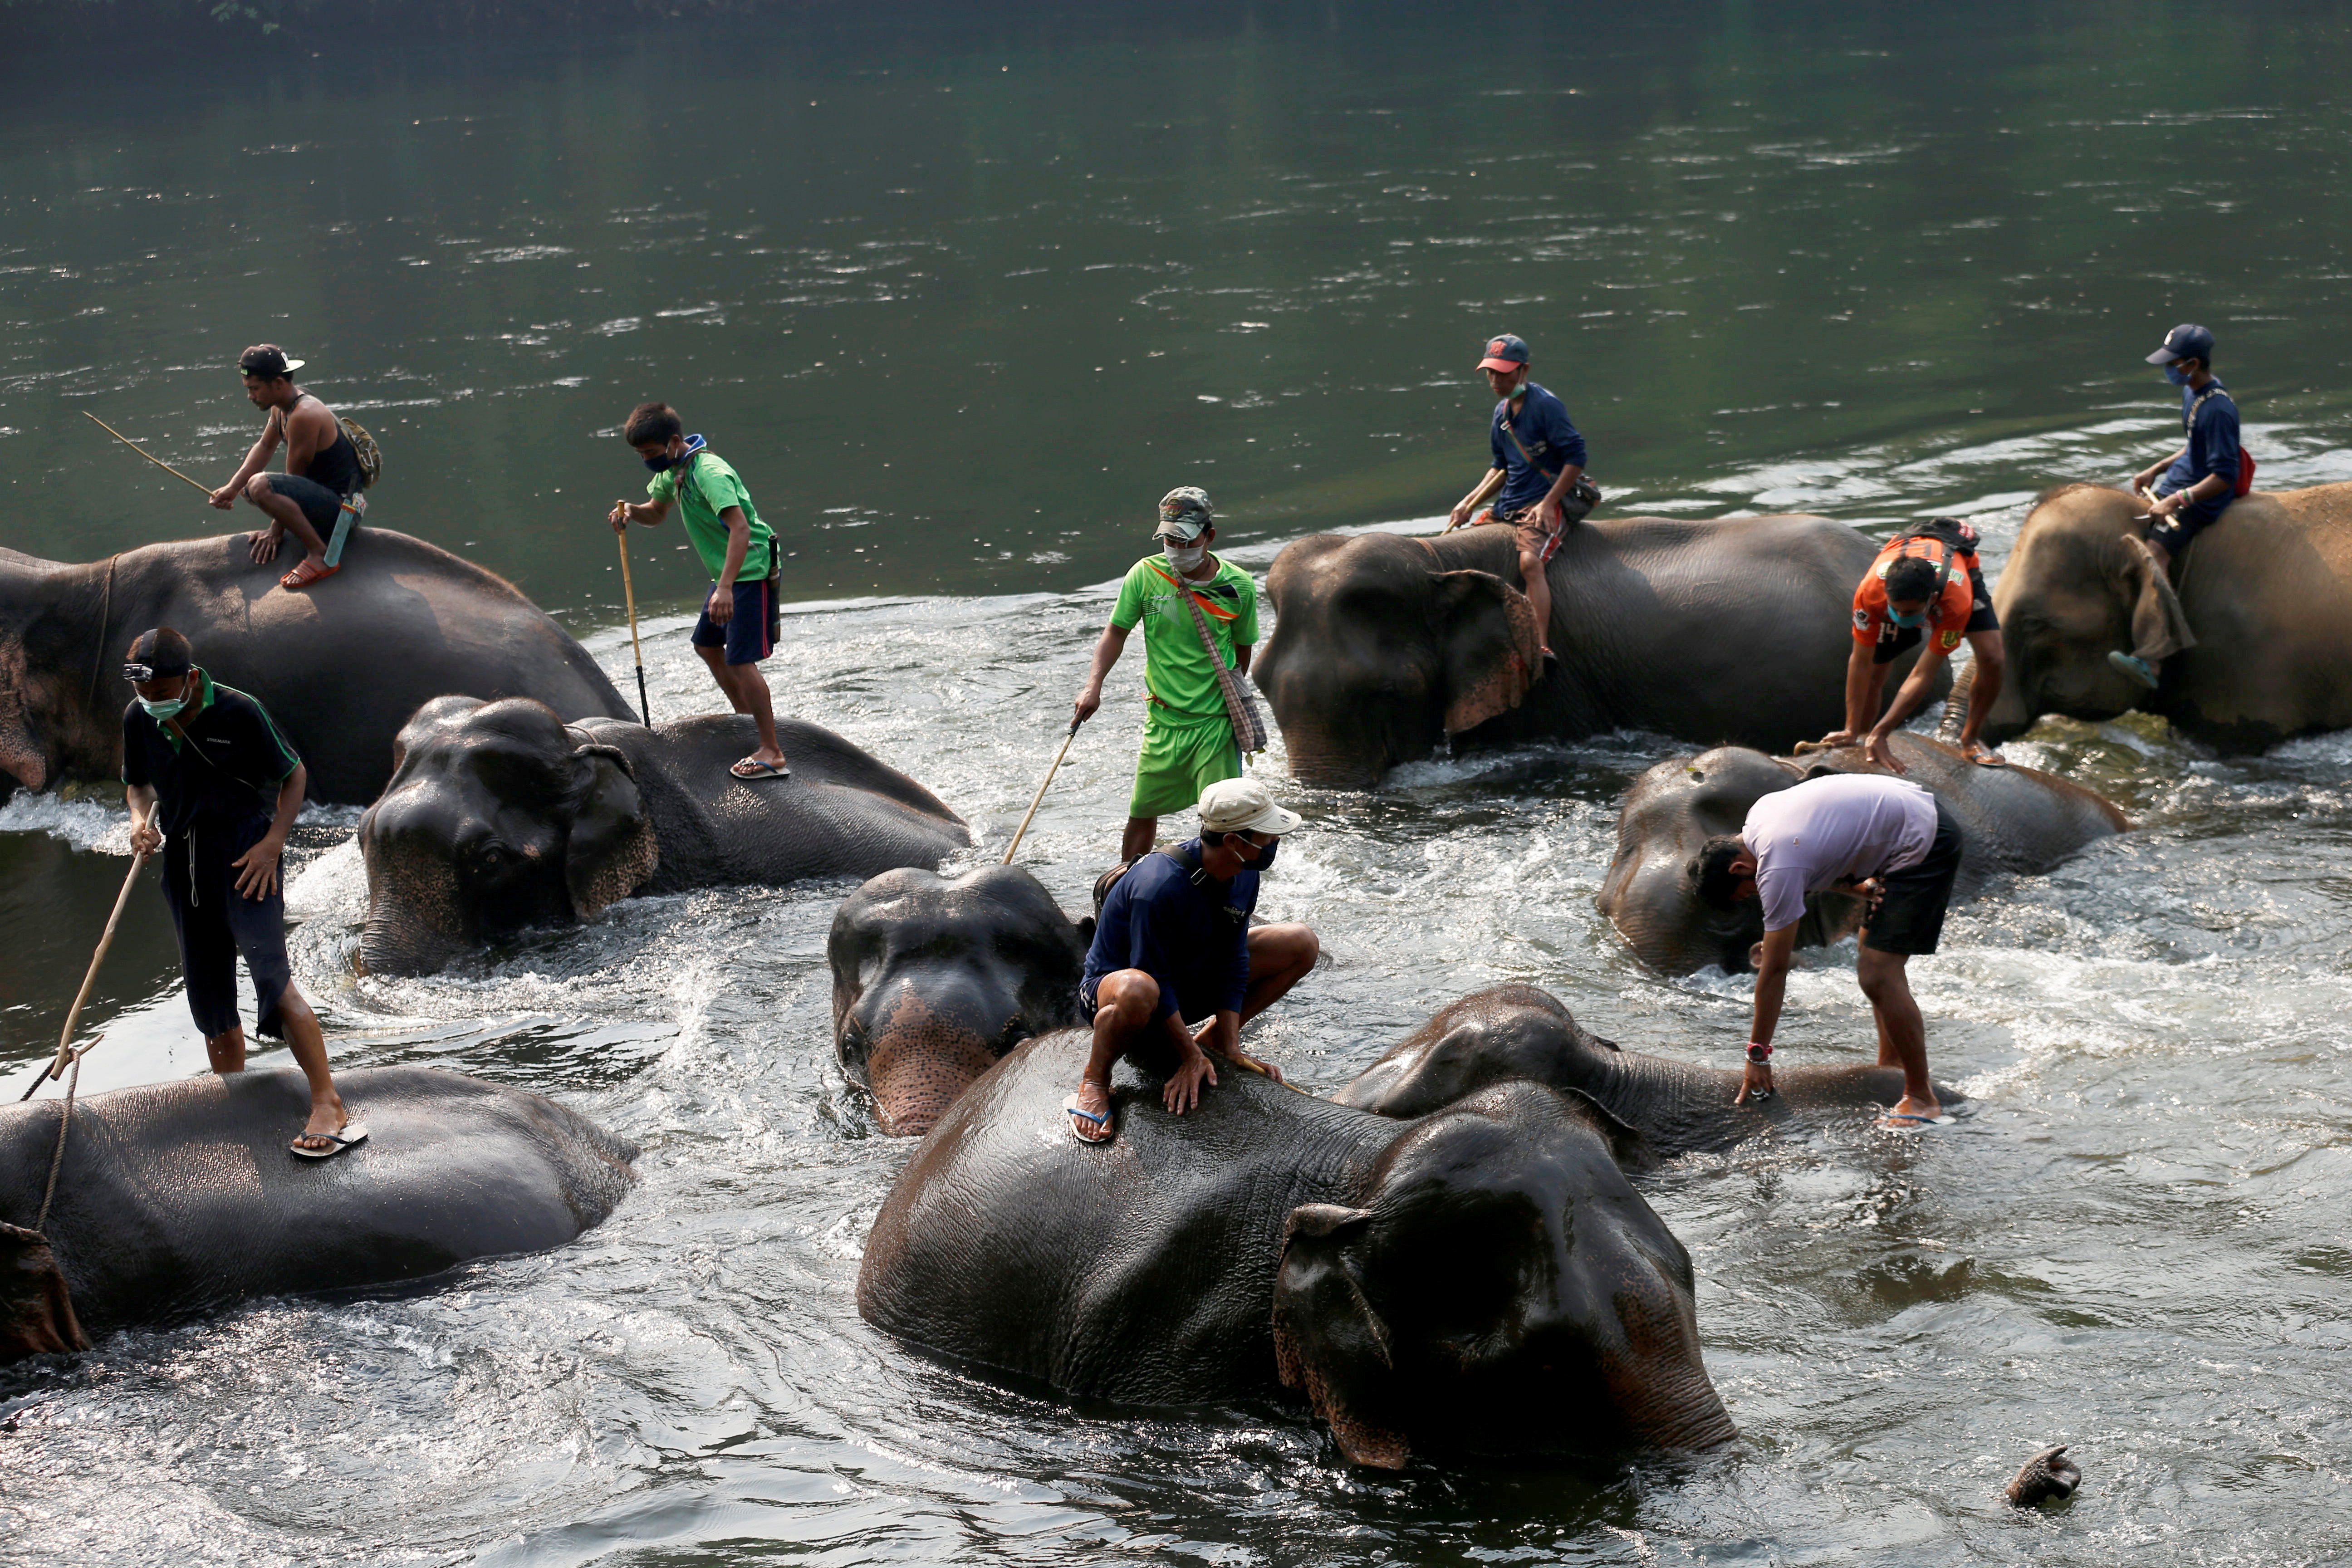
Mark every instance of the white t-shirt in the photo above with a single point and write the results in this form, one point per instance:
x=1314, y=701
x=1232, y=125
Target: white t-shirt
x=1829, y=829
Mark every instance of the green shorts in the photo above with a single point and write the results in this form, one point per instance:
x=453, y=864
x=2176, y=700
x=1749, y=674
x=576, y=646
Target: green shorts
x=1180, y=757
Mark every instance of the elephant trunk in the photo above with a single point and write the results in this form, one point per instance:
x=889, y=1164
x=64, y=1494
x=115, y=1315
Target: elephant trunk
x=917, y=1042
x=1955, y=706
x=37, y=1312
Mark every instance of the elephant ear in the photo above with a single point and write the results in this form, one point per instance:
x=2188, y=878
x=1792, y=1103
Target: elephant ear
x=1628, y=1144
x=611, y=851
x=1329, y=1341
x=2160, y=627
x=1489, y=645
x=37, y=1314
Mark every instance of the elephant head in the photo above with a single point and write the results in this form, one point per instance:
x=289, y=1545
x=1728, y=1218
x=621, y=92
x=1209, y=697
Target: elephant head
x=1497, y=1288
x=1649, y=895
x=936, y=977
x=1488, y=1036
x=498, y=819
x=61, y=691
x=1382, y=649
x=37, y=1314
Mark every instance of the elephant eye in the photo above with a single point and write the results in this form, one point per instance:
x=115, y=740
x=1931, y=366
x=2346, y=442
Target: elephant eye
x=1016, y=1029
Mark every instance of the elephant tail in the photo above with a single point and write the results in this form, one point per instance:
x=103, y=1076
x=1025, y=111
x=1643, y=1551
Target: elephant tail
x=1955, y=706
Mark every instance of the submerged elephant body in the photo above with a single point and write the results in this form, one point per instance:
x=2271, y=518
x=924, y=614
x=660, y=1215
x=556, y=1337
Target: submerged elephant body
x=1509, y=1032
x=1385, y=647
x=2013, y=819
x=500, y=818
x=2266, y=593
x=1481, y=1279
x=340, y=666
x=936, y=977
x=177, y=1199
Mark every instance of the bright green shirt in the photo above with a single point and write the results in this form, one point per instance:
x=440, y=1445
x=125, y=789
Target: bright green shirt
x=1176, y=668
x=710, y=488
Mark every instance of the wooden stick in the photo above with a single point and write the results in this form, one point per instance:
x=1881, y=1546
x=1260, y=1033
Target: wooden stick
x=73, y=1014
x=142, y=451
x=1041, y=793
x=644, y=708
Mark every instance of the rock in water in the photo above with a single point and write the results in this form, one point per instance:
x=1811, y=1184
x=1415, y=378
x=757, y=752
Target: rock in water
x=2049, y=1474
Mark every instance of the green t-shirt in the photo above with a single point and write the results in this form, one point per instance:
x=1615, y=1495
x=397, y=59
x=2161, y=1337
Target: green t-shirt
x=1176, y=668
x=710, y=488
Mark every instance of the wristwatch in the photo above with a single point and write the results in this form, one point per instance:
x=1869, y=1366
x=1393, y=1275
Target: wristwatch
x=1760, y=1055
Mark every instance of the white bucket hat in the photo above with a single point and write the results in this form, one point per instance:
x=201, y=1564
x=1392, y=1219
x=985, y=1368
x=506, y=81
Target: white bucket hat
x=1243, y=806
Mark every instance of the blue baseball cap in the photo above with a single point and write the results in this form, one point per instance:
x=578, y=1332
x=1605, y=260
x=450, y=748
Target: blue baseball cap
x=1505, y=351
x=2187, y=341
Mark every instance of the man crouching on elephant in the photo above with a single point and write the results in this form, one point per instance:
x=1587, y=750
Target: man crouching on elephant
x=1175, y=941
x=1885, y=838
x=1925, y=585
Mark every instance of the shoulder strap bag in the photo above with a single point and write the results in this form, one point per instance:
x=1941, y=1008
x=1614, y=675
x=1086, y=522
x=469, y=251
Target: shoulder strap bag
x=1241, y=702
x=2246, y=458
x=1581, y=497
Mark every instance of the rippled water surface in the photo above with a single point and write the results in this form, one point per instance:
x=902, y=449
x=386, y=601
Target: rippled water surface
x=1860, y=269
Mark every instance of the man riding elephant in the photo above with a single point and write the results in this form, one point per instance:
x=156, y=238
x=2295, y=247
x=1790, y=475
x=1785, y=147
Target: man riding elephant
x=2198, y=482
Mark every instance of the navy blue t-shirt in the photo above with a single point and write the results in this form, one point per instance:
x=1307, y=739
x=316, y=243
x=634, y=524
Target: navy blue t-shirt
x=233, y=776
x=1194, y=941
x=1542, y=426
x=2213, y=447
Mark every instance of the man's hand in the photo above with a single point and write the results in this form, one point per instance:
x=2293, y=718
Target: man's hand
x=145, y=836
x=2147, y=476
x=1878, y=749
x=1545, y=514
x=265, y=544
x=224, y=497
x=1755, y=1084
x=1089, y=701
x=2165, y=506
x=256, y=868
x=721, y=605
x=620, y=517
x=1458, y=516
x=1183, y=1089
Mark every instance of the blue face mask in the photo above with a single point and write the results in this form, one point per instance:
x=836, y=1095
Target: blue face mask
x=2175, y=375
x=158, y=711
x=1914, y=619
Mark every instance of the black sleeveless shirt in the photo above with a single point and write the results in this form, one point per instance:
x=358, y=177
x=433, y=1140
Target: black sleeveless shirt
x=336, y=465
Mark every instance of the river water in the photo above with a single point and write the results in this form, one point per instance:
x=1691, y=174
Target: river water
x=1876, y=268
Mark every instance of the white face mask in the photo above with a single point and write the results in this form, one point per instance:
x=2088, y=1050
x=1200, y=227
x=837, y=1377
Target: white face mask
x=1184, y=558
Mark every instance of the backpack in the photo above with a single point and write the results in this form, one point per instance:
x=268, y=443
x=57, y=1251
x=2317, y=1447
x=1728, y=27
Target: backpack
x=363, y=448
x=1943, y=540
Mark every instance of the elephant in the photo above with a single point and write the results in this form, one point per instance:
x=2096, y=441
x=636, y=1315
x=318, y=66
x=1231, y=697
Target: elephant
x=936, y=977
x=1384, y=646
x=2013, y=819
x=1483, y=1279
x=500, y=817
x=175, y=1200
x=2265, y=595
x=340, y=665
x=1509, y=1032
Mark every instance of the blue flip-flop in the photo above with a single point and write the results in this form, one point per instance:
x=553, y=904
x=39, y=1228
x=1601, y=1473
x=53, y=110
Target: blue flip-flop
x=1905, y=1121
x=1070, y=1108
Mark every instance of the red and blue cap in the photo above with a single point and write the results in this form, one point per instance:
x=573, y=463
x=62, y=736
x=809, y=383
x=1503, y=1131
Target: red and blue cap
x=1505, y=351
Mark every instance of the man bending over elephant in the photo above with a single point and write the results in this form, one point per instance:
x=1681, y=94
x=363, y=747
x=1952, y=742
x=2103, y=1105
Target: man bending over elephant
x=1538, y=471
x=322, y=468
x=211, y=781
x=1175, y=943
x=1924, y=584
x=1887, y=839
x=2196, y=482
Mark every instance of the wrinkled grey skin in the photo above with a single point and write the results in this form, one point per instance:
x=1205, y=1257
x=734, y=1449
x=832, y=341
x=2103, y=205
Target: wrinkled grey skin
x=1386, y=647
x=2266, y=592
x=500, y=818
x=1480, y=1281
x=2013, y=819
x=340, y=666
x=178, y=1199
x=936, y=977
x=1509, y=1032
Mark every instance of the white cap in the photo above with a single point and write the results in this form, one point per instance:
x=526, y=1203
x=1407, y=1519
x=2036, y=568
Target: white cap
x=1243, y=806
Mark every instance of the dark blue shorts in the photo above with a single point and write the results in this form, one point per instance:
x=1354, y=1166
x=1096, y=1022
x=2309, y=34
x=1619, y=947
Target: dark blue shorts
x=319, y=505
x=750, y=636
x=216, y=923
x=2175, y=532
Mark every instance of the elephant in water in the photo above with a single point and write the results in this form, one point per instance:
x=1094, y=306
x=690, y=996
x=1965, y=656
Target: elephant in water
x=1518, y=1032
x=500, y=818
x=2265, y=592
x=2011, y=819
x=340, y=665
x=936, y=977
x=178, y=1199
x=1385, y=646
x=1481, y=1279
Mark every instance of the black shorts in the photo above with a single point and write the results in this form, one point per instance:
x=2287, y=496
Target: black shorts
x=2175, y=532
x=749, y=634
x=320, y=506
x=1980, y=619
x=1909, y=918
x=216, y=923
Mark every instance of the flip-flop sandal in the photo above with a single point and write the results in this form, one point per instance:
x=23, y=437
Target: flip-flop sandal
x=753, y=768
x=1984, y=756
x=350, y=1135
x=1102, y=1122
x=1903, y=1122
x=306, y=573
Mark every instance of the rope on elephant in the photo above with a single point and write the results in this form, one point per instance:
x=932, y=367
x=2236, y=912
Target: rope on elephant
x=105, y=609
x=65, y=1121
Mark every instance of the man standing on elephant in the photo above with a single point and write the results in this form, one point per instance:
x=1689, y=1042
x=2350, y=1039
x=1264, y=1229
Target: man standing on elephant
x=322, y=468
x=1175, y=943
x=1535, y=482
x=739, y=616
x=1886, y=839
x=1188, y=735
x=2196, y=483
x=211, y=781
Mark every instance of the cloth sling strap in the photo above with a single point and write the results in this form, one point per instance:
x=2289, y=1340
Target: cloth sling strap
x=1583, y=491
x=1240, y=703
x=197, y=751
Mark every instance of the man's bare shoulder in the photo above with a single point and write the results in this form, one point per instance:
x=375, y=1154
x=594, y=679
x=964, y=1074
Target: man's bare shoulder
x=312, y=417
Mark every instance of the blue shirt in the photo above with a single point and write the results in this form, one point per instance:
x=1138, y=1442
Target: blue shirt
x=1187, y=939
x=2212, y=447
x=1543, y=428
